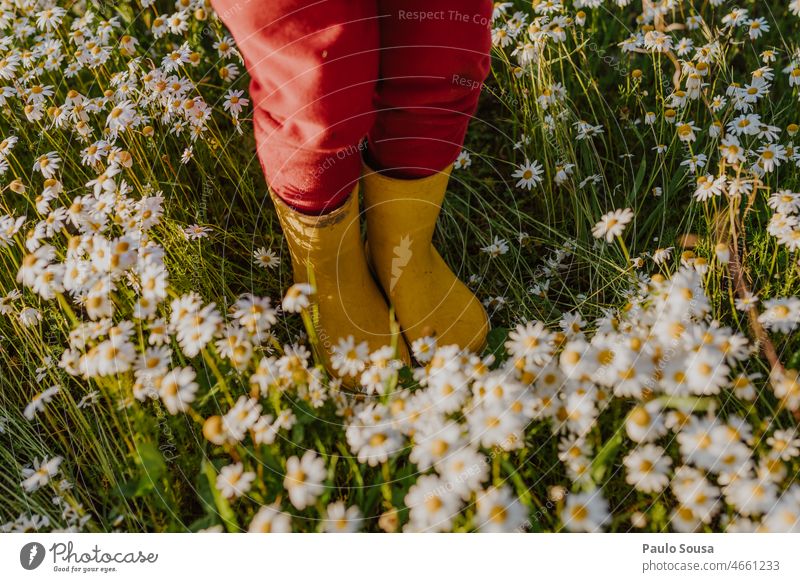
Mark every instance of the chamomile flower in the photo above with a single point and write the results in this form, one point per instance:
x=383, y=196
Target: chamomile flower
x=342, y=519
x=463, y=161
x=297, y=298
x=304, y=478
x=267, y=258
x=349, y=358
x=178, y=389
x=785, y=444
x=432, y=505
x=196, y=232
x=270, y=519
x=39, y=400
x=612, y=224
x=585, y=512
x=496, y=248
x=529, y=174
x=646, y=468
x=233, y=481
x=498, y=511
x=40, y=474
x=781, y=315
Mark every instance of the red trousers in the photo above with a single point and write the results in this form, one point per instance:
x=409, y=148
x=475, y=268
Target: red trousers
x=326, y=74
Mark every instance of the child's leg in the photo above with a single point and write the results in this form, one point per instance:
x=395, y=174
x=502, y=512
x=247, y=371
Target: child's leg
x=313, y=66
x=434, y=57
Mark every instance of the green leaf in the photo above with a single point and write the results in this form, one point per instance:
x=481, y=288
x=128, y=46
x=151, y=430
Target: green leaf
x=151, y=460
x=606, y=456
x=495, y=341
x=794, y=361
x=638, y=180
x=129, y=489
x=658, y=517
x=152, y=469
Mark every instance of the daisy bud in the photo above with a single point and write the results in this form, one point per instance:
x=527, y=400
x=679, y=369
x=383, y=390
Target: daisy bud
x=127, y=45
x=17, y=186
x=580, y=18
x=73, y=97
x=123, y=158
x=792, y=129
x=389, y=521
x=200, y=15
x=557, y=493
x=213, y=431
x=53, y=185
x=701, y=265
x=723, y=253
x=638, y=520
x=148, y=131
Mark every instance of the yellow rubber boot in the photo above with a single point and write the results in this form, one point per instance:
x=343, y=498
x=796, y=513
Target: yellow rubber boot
x=428, y=298
x=349, y=301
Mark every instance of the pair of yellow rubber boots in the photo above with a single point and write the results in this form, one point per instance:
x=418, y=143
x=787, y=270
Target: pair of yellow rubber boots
x=428, y=299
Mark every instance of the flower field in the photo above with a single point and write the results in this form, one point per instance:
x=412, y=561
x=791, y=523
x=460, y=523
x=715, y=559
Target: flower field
x=627, y=207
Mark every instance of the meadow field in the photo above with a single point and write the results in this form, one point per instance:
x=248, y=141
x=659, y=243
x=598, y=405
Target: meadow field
x=627, y=207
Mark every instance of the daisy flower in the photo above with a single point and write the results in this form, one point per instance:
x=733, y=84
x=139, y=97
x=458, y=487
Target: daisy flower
x=267, y=258
x=432, y=505
x=233, y=481
x=463, y=161
x=297, y=298
x=342, y=519
x=270, y=519
x=39, y=400
x=40, y=474
x=781, y=315
x=661, y=256
x=585, y=512
x=612, y=224
x=498, y=511
x=234, y=102
x=785, y=444
x=196, y=232
x=349, y=359
x=646, y=468
x=178, y=389
x=529, y=174
x=499, y=246
x=304, y=479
